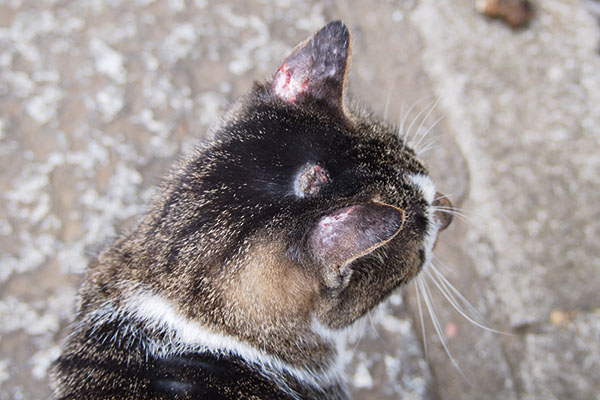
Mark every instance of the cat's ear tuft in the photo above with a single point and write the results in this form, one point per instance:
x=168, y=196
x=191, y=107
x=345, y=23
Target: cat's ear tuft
x=348, y=233
x=317, y=68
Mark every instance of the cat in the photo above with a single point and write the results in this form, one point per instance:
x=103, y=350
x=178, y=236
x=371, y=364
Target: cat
x=303, y=213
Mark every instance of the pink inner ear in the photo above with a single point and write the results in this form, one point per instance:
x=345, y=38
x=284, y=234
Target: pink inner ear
x=354, y=231
x=288, y=85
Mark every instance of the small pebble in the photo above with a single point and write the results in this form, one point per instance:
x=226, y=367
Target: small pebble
x=451, y=330
x=561, y=318
x=516, y=13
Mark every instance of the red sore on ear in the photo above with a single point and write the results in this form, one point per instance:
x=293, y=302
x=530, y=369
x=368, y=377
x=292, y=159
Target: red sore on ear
x=288, y=86
x=316, y=68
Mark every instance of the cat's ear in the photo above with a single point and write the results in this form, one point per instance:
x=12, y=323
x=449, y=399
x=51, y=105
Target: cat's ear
x=317, y=68
x=346, y=234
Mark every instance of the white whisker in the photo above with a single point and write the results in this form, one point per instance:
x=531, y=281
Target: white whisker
x=428, y=130
x=427, y=143
x=455, y=213
x=462, y=210
x=443, y=195
x=425, y=119
x=430, y=144
x=441, y=265
x=403, y=118
x=361, y=333
x=373, y=326
x=389, y=98
x=422, y=322
x=409, y=129
x=436, y=323
x=452, y=300
x=458, y=294
x=429, y=148
x=401, y=128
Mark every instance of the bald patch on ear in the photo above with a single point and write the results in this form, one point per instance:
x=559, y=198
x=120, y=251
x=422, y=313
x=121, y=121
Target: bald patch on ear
x=317, y=68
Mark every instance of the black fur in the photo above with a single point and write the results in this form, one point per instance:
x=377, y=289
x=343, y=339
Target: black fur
x=300, y=210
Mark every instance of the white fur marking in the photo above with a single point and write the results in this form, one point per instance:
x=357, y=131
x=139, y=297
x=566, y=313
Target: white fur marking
x=425, y=184
x=427, y=188
x=430, y=237
x=158, y=313
x=336, y=336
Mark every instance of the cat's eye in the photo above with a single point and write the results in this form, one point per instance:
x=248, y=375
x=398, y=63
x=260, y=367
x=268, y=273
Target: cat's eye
x=309, y=180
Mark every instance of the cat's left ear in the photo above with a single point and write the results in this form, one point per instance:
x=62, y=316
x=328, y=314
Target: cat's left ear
x=317, y=68
x=349, y=233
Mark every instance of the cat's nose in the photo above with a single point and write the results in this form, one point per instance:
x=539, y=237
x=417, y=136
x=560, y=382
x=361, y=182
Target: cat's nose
x=443, y=210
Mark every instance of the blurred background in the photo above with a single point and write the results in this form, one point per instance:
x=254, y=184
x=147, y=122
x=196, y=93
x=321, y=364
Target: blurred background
x=98, y=98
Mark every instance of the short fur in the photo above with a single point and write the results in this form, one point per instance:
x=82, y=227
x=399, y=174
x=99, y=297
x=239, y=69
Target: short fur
x=261, y=248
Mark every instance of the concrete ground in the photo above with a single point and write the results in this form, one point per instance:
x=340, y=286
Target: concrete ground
x=97, y=98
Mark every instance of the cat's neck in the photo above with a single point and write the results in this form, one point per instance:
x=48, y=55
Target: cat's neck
x=168, y=332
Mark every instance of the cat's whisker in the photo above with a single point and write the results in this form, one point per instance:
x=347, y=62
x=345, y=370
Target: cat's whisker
x=425, y=119
x=405, y=117
x=401, y=128
x=453, y=289
x=441, y=196
x=429, y=145
x=422, y=321
x=443, y=267
x=409, y=133
x=427, y=296
x=373, y=326
x=427, y=131
x=427, y=149
x=455, y=213
x=462, y=210
x=362, y=322
x=452, y=300
x=389, y=99
x=426, y=143
x=458, y=213
x=448, y=208
x=401, y=131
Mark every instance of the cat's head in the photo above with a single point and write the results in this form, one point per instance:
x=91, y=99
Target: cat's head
x=302, y=208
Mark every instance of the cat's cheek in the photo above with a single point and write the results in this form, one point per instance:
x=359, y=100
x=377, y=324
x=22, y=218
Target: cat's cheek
x=268, y=286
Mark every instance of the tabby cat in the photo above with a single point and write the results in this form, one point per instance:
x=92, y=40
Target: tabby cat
x=303, y=213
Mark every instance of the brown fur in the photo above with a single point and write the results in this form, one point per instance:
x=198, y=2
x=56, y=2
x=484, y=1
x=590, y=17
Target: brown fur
x=233, y=246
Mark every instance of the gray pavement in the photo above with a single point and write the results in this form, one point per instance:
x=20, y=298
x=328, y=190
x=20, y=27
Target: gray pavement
x=97, y=98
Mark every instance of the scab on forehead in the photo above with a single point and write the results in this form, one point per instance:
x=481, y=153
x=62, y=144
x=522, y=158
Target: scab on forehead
x=310, y=180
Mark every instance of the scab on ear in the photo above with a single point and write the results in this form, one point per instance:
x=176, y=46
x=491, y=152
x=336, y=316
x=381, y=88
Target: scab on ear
x=351, y=232
x=316, y=68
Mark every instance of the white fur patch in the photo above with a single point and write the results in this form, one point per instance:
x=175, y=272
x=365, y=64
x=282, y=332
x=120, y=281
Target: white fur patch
x=336, y=336
x=428, y=190
x=425, y=184
x=430, y=237
x=184, y=335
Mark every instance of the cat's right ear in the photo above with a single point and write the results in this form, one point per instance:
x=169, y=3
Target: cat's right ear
x=317, y=68
x=348, y=233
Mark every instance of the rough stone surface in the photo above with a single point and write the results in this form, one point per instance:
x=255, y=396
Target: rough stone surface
x=97, y=98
